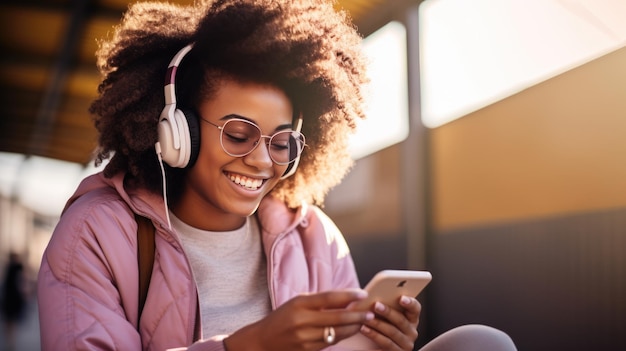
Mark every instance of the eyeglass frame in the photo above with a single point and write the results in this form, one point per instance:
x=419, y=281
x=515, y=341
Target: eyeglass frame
x=261, y=136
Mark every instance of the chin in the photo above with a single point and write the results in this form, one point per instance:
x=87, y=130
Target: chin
x=244, y=210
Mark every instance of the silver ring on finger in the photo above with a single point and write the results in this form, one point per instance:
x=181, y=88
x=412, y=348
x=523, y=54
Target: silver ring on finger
x=329, y=335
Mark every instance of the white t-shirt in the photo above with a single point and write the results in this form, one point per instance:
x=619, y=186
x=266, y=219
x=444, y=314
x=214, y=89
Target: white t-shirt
x=230, y=271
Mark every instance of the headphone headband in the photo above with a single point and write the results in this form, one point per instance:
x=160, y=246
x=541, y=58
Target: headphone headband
x=170, y=76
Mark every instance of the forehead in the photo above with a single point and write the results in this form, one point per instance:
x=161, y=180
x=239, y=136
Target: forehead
x=264, y=104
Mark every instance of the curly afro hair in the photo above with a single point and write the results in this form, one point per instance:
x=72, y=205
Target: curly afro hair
x=307, y=48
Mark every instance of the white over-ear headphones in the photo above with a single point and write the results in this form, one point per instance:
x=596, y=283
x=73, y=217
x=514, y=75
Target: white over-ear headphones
x=179, y=130
x=179, y=134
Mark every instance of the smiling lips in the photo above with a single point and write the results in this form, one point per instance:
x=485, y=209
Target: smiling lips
x=243, y=181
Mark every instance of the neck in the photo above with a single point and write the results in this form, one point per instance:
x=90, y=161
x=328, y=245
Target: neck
x=204, y=218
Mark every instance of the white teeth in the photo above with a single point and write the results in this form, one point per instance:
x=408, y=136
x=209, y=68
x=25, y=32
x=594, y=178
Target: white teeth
x=248, y=183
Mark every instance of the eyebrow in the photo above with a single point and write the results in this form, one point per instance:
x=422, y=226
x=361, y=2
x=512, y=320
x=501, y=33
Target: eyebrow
x=233, y=115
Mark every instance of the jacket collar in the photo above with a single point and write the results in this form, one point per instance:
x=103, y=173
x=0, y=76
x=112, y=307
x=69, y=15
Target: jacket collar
x=276, y=218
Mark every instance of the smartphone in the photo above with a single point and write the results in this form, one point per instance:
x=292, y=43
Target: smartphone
x=386, y=286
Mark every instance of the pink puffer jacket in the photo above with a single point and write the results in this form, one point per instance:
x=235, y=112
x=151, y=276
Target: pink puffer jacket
x=88, y=281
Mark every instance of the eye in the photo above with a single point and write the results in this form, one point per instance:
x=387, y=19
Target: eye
x=240, y=132
x=281, y=141
x=280, y=146
x=237, y=137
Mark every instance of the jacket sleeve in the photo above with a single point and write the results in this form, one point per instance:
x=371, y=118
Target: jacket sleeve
x=87, y=285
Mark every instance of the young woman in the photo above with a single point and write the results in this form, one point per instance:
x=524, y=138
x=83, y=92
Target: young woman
x=244, y=260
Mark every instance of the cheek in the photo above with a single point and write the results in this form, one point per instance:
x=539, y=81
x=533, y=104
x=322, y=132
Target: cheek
x=278, y=171
x=210, y=145
x=209, y=163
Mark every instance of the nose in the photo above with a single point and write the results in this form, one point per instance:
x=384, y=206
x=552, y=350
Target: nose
x=260, y=156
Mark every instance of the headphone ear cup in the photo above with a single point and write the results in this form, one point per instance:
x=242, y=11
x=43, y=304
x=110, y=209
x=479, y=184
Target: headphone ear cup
x=169, y=131
x=193, y=137
x=291, y=168
x=169, y=153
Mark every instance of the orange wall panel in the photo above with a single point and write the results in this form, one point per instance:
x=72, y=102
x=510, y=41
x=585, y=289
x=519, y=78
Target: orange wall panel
x=558, y=147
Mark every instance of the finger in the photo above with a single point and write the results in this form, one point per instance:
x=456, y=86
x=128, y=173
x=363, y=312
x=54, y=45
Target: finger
x=344, y=317
x=303, y=315
x=340, y=332
x=393, y=326
x=319, y=335
x=386, y=336
x=399, y=319
x=412, y=308
x=352, y=320
x=300, y=313
x=410, y=312
x=330, y=299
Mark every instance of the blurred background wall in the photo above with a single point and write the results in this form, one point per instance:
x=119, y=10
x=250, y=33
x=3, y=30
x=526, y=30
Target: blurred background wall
x=525, y=213
x=528, y=200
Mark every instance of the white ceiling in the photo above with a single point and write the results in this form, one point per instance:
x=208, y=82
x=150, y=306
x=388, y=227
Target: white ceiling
x=474, y=53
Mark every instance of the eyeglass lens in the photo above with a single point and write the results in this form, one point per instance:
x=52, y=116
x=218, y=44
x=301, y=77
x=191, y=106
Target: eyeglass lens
x=239, y=138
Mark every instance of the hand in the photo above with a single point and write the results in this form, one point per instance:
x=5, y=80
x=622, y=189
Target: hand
x=299, y=324
x=394, y=330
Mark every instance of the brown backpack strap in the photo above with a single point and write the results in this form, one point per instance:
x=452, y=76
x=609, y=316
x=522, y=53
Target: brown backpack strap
x=145, y=256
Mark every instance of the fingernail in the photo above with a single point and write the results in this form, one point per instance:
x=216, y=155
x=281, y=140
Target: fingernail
x=361, y=294
x=369, y=316
x=405, y=300
x=379, y=307
x=365, y=329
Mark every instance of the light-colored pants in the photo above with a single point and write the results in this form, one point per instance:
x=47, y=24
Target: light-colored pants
x=471, y=337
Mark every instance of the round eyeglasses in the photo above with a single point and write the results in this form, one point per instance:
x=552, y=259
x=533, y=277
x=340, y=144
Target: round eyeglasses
x=240, y=137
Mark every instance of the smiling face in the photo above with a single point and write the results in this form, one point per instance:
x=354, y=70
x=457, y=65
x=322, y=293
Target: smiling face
x=221, y=190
